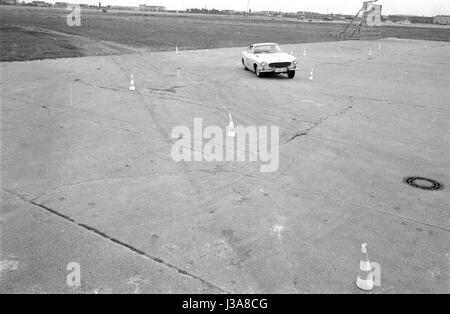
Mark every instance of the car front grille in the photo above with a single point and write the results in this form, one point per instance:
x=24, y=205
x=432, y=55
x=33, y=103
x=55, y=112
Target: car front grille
x=280, y=65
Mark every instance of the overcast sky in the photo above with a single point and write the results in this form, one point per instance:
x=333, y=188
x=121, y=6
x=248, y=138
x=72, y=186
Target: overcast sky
x=415, y=7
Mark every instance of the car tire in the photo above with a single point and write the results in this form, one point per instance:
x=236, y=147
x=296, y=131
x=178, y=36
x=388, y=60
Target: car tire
x=258, y=73
x=243, y=64
x=291, y=74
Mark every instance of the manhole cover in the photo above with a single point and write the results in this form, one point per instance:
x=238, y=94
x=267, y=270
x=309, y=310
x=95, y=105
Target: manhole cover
x=423, y=183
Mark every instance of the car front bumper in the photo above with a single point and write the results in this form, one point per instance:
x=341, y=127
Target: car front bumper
x=272, y=70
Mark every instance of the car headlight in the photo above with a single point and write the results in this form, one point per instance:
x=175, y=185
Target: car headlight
x=263, y=64
x=295, y=62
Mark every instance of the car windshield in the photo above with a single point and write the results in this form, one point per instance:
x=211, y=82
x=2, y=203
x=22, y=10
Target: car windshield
x=267, y=49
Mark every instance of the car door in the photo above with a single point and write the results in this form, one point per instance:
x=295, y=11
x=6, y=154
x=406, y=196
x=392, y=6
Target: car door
x=249, y=58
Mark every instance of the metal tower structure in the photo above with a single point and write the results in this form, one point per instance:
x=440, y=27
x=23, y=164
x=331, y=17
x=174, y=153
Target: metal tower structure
x=364, y=23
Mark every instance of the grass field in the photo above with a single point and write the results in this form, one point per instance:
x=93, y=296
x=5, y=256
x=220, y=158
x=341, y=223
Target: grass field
x=40, y=33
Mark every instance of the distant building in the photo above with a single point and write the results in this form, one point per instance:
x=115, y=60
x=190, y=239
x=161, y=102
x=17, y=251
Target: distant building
x=269, y=13
x=40, y=4
x=123, y=8
x=61, y=4
x=442, y=19
x=229, y=12
x=396, y=18
x=408, y=19
x=421, y=19
x=303, y=15
x=338, y=17
x=151, y=8
x=291, y=15
x=8, y=2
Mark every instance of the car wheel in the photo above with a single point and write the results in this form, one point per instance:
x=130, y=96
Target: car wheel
x=243, y=64
x=291, y=74
x=258, y=73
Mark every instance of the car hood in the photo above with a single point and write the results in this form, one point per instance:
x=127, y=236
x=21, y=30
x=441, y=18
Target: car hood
x=275, y=57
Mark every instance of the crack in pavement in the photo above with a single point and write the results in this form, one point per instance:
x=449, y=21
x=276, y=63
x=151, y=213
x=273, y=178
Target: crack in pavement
x=118, y=242
x=213, y=171
x=320, y=121
x=304, y=132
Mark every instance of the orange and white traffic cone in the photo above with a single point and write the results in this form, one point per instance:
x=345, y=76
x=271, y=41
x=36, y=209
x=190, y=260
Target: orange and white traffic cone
x=132, y=85
x=364, y=279
x=176, y=50
x=231, y=130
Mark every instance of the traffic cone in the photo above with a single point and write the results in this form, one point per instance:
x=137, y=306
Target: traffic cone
x=132, y=85
x=176, y=50
x=364, y=279
x=311, y=75
x=379, y=47
x=370, y=52
x=231, y=130
x=304, y=51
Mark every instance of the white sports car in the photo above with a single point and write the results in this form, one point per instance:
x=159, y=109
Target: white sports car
x=268, y=58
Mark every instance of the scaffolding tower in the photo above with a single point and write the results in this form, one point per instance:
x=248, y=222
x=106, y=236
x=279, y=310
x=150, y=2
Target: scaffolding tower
x=365, y=24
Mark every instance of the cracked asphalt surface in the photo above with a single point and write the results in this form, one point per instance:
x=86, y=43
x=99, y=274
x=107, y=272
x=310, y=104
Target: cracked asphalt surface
x=87, y=174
